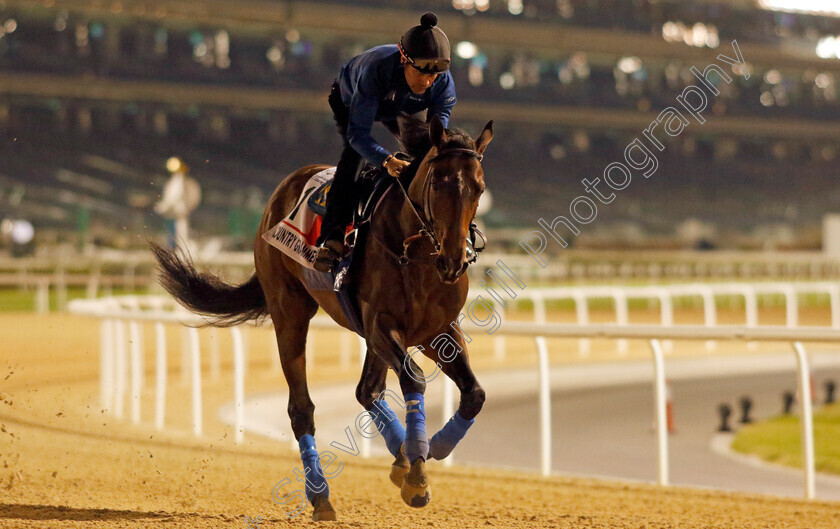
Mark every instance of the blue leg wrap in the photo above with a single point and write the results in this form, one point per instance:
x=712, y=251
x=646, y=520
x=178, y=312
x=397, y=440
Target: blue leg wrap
x=389, y=424
x=416, y=442
x=316, y=483
x=444, y=441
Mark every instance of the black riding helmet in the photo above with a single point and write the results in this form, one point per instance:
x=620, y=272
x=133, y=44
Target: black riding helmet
x=426, y=46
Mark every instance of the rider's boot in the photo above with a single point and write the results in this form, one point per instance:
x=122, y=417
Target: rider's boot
x=329, y=254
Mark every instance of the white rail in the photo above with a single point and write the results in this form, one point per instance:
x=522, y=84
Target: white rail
x=132, y=271
x=666, y=295
x=115, y=368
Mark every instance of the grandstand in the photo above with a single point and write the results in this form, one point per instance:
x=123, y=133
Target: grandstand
x=95, y=96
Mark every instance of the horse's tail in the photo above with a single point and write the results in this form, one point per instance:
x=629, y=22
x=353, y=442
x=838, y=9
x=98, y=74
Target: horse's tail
x=223, y=304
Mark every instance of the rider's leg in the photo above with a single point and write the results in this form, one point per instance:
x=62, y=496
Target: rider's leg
x=341, y=198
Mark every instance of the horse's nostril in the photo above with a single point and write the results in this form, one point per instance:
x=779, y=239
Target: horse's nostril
x=440, y=263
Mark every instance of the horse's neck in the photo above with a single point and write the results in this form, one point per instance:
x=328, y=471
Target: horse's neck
x=397, y=218
x=418, y=183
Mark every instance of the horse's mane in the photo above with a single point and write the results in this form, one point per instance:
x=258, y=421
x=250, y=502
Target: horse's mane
x=415, y=141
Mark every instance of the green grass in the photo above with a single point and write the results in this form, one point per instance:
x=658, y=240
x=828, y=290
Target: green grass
x=778, y=440
x=23, y=300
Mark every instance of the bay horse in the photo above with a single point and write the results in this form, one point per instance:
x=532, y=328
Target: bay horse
x=409, y=285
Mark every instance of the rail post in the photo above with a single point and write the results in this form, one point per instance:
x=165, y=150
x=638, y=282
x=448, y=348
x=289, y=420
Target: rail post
x=582, y=313
x=106, y=365
x=709, y=313
x=791, y=306
x=215, y=355
x=185, y=355
x=751, y=311
x=621, y=318
x=238, y=385
x=136, y=369
x=540, y=315
x=660, y=409
x=42, y=297
x=666, y=310
x=545, y=406
x=806, y=419
x=195, y=381
x=834, y=301
x=61, y=289
x=120, y=368
x=160, y=375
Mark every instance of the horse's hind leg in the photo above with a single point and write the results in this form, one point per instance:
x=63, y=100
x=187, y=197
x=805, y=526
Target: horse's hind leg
x=291, y=324
x=372, y=395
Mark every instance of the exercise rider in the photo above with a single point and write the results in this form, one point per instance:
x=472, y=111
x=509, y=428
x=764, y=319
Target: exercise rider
x=378, y=85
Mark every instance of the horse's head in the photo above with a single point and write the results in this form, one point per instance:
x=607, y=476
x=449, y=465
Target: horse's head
x=449, y=182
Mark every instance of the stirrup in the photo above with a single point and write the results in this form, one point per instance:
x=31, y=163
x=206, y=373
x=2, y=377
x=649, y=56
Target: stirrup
x=328, y=256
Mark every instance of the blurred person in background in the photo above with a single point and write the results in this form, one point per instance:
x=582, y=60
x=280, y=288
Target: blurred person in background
x=378, y=85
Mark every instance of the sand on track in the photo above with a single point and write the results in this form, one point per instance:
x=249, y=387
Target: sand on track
x=63, y=463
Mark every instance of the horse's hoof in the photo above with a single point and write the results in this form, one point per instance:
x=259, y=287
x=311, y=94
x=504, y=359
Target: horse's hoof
x=415, y=489
x=324, y=511
x=399, y=468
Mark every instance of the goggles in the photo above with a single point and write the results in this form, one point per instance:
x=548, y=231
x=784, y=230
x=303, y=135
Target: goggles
x=429, y=65
x=426, y=65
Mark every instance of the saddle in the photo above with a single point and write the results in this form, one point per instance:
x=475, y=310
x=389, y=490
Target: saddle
x=371, y=184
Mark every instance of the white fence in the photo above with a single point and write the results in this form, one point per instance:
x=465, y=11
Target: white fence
x=105, y=270
x=666, y=295
x=122, y=354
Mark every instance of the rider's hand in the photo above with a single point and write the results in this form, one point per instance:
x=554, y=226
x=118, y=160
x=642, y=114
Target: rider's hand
x=394, y=166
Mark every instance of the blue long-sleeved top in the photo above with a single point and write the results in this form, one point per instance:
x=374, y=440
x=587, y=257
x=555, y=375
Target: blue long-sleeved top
x=373, y=87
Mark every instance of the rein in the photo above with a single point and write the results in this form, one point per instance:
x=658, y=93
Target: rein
x=426, y=228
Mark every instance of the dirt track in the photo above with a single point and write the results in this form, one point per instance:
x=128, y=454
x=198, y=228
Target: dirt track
x=64, y=464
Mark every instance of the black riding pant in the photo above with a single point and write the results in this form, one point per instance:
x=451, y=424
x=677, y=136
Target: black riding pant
x=342, y=197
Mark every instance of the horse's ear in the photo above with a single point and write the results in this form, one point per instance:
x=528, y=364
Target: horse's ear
x=484, y=138
x=436, y=131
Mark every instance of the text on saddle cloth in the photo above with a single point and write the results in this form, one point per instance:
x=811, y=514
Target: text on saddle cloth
x=296, y=235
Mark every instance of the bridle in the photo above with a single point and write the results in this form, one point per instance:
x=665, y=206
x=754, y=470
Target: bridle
x=426, y=225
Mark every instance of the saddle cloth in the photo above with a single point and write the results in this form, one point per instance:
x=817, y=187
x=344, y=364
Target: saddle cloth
x=296, y=235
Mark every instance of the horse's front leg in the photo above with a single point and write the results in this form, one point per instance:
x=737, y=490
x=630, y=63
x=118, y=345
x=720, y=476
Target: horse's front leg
x=449, y=350
x=387, y=340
